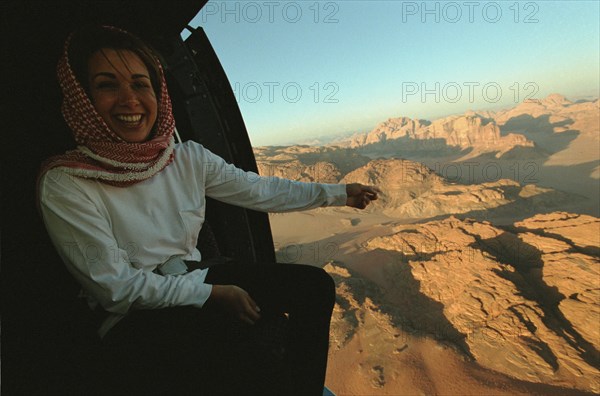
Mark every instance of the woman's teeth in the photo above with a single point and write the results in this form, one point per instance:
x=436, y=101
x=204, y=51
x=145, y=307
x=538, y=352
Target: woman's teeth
x=129, y=118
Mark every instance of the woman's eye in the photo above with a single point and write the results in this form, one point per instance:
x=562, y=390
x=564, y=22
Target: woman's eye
x=141, y=85
x=106, y=85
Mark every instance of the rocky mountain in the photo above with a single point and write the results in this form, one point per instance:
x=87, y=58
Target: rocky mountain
x=412, y=190
x=485, y=131
x=553, y=105
x=522, y=300
x=404, y=180
x=569, y=132
x=307, y=163
x=471, y=131
x=544, y=144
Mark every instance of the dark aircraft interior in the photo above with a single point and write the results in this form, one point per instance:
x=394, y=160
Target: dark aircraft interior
x=43, y=350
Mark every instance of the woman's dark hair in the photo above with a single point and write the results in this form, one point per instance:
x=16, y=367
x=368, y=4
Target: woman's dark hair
x=86, y=41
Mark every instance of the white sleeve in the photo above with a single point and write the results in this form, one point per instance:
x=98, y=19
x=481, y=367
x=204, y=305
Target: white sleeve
x=83, y=239
x=232, y=185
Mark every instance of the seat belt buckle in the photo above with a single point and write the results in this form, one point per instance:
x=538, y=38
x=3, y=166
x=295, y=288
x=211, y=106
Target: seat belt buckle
x=173, y=266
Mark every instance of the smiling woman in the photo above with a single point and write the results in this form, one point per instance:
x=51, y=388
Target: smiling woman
x=122, y=93
x=121, y=76
x=116, y=103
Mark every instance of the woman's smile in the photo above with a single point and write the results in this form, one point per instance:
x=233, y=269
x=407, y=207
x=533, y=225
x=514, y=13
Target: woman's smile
x=132, y=121
x=129, y=118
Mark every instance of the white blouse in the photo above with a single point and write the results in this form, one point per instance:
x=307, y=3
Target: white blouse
x=112, y=238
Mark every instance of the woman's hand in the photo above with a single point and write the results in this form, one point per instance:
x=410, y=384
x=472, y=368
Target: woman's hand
x=359, y=195
x=236, y=301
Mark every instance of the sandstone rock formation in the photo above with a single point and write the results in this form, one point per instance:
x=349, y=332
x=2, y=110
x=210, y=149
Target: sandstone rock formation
x=320, y=172
x=402, y=180
x=391, y=129
x=543, y=145
x=521, y=300
x=568, y=240
x=488, y=131
x=568, y=131
x=307, y=163
x=470, y=131
x=508, y=286
x=411, y=190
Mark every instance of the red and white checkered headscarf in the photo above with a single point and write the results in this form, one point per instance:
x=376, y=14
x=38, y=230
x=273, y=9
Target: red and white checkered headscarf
x=101, y=154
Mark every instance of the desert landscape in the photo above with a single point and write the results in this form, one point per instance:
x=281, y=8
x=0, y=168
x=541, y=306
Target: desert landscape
x=477, y=271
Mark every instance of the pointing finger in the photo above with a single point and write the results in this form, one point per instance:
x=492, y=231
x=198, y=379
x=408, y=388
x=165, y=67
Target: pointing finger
x=372, y=191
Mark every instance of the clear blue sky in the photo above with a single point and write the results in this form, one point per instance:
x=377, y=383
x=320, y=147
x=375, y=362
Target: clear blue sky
x=302, y=69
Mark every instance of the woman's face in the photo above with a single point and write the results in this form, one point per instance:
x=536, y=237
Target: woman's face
x=122, y=93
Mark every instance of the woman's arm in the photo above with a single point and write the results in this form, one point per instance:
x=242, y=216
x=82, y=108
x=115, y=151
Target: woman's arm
x=232, y=185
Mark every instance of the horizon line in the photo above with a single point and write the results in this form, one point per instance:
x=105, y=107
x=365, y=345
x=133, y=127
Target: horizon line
x=363, y=130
